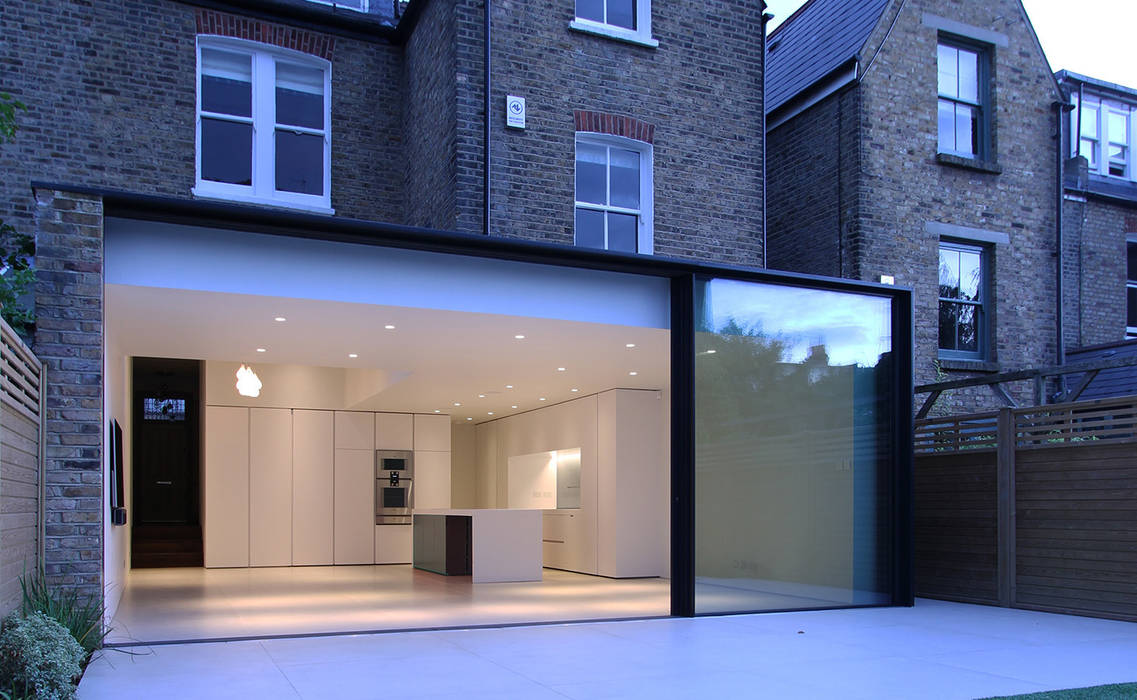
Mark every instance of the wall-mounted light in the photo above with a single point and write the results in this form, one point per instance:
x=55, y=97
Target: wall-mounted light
x=248, y=383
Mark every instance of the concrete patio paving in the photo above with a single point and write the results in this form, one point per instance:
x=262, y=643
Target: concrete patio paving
x=933, y=650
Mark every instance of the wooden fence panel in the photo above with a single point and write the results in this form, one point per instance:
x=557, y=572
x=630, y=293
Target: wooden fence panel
x=1077, y=529
x=956, y=526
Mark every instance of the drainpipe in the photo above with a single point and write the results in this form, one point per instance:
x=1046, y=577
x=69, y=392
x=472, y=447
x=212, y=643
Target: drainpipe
x=766, y=17
x=486, y=126
x=1060, y=110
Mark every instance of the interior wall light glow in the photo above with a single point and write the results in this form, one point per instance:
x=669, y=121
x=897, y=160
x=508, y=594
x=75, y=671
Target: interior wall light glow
x=248, y=383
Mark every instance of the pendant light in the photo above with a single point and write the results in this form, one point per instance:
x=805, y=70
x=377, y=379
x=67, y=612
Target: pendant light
x=248, y=383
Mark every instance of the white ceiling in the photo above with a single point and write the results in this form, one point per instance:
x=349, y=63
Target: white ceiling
x=447, y=356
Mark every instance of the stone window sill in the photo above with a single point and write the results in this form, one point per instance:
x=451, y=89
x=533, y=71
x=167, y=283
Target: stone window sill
x=618, y=33
x=968, y=365
x=982, y=166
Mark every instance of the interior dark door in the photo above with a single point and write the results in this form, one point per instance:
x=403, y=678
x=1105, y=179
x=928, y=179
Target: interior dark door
x=165, y=454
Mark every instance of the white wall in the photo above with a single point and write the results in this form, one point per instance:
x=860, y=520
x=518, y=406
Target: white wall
x=116, y=539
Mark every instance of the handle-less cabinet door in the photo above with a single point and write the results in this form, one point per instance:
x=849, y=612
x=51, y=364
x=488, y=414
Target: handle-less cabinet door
x=394, y=431
x=432, y=432
x=226, y=486
x=355, y=506
x=313, y=458
x=432, y=479
x=270, y=487
x=355, y=430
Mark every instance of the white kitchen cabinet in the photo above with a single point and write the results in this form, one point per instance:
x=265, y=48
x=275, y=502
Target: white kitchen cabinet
x=432, y=432
x=354, y=521
x=394, y=544
x=355, y=430
x=313, y=474
x=226, y=531
x=432, y=479
x=270, y=487
x=394, y=431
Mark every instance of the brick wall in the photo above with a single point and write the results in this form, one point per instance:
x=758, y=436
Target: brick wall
x=69, y=342
x=1094, y=235
x=700, y=89
x=110, y=88
x=430, y=119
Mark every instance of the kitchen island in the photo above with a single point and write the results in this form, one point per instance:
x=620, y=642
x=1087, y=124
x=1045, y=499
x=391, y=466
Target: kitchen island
x=493, y=545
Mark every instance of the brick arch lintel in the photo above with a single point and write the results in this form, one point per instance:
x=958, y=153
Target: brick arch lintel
x=614, y=124
x=217, y=23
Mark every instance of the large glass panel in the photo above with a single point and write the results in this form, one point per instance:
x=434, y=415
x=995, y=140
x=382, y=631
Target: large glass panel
x=226, y=151
x=299, y=96
x=299, y=162
x=793, y=459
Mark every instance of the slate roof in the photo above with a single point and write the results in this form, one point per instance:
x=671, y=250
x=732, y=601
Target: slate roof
x=1119, y=381
x=816, y=40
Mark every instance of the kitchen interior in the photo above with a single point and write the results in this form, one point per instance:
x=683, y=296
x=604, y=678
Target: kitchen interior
x=370, y=467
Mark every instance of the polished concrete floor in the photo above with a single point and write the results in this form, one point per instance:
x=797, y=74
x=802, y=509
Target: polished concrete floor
x=162, y=605
x=932, y=650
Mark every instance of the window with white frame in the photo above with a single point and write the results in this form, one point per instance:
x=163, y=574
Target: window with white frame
x=963, y=100
x=263, y=133
x=963, y=301
x=1105, y=136
x=360, y=5
x=613, y=193
x=629, y=20
x=1131, y=288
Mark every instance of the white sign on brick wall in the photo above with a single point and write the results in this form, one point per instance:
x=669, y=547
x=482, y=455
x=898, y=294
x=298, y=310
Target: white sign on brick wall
x=515, y=111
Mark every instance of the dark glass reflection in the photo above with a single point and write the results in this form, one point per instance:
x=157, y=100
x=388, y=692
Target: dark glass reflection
x=226, y=96
x=622, y=233
x=793, y=460
x=299, y=162
x=590, y=9
x=297, y=108
x=622, y=13
x=226, y=151
x=589, y=228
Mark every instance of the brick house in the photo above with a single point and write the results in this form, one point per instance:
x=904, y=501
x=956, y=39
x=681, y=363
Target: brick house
x=300, y=182
x=915, y=142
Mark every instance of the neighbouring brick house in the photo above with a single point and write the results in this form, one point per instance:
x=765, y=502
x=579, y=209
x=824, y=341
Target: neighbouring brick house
x=136, y=107
x=915, y=141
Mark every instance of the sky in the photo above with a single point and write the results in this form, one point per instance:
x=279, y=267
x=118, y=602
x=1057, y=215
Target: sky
x=1091, y=37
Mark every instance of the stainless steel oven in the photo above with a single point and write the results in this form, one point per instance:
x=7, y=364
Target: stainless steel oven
x=394, y=487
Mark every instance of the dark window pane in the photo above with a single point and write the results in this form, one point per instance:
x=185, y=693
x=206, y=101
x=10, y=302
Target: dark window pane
x=1132, y=249
x=949, y=274
x=1132, y=315
x=622, y=13
x=299, y=162
x=226, y=96
x=226, y=151
x=299, y=96
x=589, y=228
x=947, y=325
x=968, y=328
x=622, y=233
x=590, y=9
x=591, y=173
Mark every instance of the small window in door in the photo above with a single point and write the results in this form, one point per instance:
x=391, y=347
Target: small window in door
x=159, y=409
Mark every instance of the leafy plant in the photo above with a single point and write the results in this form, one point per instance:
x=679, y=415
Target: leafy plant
x=82, y=616
x=38, y=654
x=16, y=249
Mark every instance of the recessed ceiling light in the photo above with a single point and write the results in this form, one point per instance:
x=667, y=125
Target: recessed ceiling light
x=513, y=406
x=489, y=413
x=560, y=369
x=457, y=404
x=389, y=327
x=469, y=419
x=633, y=373
x=280, y=319
x=711, y=352
x=437, y=411
x=541, y=399
x=481, y=396
x=629, y=345
x=574, y=389
x=519, y=336
x=508, y=386
x=261, y=350
x=352, y=355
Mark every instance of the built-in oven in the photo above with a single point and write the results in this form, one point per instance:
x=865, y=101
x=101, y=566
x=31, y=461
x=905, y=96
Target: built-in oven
x=394, y=487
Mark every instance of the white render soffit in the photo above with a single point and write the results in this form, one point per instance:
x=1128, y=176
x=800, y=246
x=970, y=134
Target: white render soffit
x=965, y=233
x=968, y=31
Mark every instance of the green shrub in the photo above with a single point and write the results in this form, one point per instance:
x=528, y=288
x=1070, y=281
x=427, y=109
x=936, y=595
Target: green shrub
x=38, y=654
x=83, y=616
